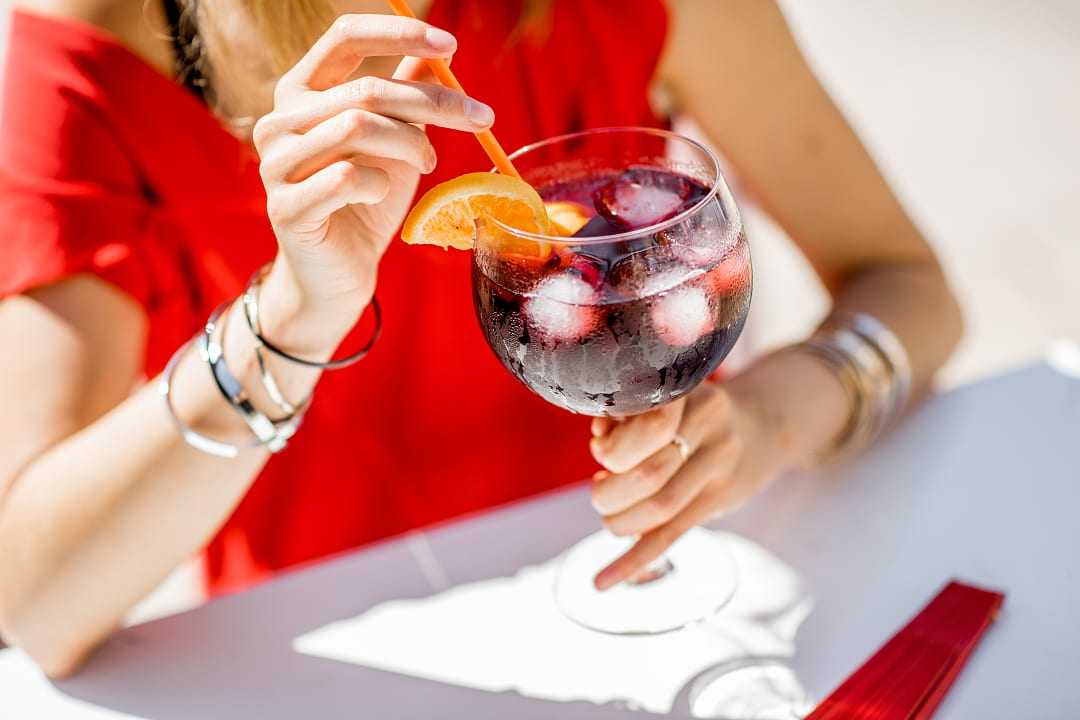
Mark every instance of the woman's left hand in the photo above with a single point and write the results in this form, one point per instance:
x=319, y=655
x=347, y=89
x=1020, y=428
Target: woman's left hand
x=649, y=489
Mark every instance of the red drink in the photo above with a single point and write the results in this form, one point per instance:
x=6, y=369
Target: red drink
x=635, y=309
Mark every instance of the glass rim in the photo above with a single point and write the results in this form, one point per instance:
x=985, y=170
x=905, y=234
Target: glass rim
x=715, y=186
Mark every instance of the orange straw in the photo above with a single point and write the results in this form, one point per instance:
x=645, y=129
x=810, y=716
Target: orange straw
x=446, y=77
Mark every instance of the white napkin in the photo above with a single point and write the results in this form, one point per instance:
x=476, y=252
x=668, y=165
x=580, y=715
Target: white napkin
x=506, y=634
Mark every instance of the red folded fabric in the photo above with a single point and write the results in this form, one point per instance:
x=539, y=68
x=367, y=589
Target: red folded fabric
x=908, y=677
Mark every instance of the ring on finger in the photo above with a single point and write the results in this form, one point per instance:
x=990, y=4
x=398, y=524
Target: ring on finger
x=682, y=445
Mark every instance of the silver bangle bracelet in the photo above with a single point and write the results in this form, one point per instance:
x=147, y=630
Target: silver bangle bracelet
x=892, y=352
x=272, y=434
x=873, y=366
x=271, y=386
x=842, y=367
x=281, y=430
x=250, y=300
x=202, y=443
x=251, y=313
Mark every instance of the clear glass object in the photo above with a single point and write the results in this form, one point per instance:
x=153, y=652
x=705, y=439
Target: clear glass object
x=634, y=309
x=752, y=688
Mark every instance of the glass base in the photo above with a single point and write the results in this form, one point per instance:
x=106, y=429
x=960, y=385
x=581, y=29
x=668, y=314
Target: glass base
x=702, y=581
x=747, y=689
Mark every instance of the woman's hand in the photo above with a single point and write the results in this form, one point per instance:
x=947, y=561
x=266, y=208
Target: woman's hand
x=341, y=158
x=740, y=435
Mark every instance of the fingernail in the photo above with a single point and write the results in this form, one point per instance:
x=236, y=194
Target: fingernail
x=478, y=113
x=604, y=580
x=440, y=39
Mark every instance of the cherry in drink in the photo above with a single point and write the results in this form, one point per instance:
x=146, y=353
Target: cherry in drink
x=633, y=310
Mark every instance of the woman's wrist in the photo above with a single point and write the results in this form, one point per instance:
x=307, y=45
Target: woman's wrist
x=291, y=321
x=799, y=403
x=305, y=326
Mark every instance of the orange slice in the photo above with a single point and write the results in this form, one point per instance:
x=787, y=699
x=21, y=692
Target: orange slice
x=567, y=217
x=446, y=215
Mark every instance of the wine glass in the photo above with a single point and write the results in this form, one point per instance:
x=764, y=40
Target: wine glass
x=635, y=298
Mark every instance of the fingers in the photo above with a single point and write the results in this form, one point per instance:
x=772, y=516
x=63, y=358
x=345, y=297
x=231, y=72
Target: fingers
x=413, y=102
x=652, y=545
x=351, y=38
x=351, y=133
x=406, y=101
x=327, y=191
x=614, y=493
x=602, y=425
x=636, y=438
x=686, y=483
x=662, y=496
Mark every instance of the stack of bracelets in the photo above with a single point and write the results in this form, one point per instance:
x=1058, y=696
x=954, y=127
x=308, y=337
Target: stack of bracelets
x=865, y=355
x=873, y=367
x=273, y=434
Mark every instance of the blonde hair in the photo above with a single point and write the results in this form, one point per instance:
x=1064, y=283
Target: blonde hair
x=289, y=27
x=284, y=29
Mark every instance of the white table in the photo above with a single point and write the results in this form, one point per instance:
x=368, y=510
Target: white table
x=982, y=484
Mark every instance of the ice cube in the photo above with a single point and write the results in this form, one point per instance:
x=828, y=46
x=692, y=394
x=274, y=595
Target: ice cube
x=699, y=253
x=641, y=197
x=702, y=239
x=648, y=272
x=682, y=316
x=732, y=273
x=587, y=267
x=562, y=307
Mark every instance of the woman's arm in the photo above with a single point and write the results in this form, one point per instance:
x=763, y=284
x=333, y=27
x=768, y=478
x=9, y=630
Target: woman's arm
x=735, y=68
x=99, y=496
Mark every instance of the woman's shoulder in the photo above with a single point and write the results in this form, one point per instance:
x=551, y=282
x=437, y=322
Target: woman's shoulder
x=140, y=27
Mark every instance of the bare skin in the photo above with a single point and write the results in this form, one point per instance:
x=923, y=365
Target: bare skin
x=76, y=512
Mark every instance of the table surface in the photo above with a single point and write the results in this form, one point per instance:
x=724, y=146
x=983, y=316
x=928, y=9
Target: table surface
x=980, y=484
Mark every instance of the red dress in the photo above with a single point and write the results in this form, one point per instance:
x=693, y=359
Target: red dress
x=108, y=167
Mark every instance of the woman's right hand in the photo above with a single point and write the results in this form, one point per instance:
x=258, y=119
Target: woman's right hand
x=341, y=159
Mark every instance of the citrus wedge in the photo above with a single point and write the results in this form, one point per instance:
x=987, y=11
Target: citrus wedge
x=567, y=217
x=446, y=215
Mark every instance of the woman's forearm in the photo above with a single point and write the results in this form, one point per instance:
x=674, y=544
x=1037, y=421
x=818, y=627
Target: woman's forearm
x=801, y=403
x=90, y=526
x=914, y=301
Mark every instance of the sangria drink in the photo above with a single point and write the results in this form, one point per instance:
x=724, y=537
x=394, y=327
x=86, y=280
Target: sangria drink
x=635, y=308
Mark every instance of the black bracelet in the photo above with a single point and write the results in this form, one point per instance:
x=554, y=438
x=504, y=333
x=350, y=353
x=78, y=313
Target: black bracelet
x=251, y=313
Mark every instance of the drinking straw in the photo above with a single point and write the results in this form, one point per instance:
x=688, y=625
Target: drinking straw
x=446, y=77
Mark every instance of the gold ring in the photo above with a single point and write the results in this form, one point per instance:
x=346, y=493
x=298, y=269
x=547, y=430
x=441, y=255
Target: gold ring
x=682, y=445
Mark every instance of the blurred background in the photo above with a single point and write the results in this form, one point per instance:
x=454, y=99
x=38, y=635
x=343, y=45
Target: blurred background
x=972, y=109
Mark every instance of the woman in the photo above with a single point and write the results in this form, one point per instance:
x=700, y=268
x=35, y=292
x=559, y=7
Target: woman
x=133, y=207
